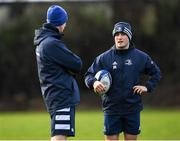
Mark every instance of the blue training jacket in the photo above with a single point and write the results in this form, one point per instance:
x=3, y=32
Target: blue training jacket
x=57, y=67
x=126, y=67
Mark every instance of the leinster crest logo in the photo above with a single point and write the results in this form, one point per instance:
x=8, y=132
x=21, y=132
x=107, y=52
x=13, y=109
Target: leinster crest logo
x=128, y=62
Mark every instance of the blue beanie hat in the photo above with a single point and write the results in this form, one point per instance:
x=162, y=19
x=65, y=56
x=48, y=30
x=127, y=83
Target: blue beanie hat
x=56, y=15
x=122, y=27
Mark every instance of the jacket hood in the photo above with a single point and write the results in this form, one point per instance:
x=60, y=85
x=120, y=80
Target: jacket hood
x=46, y=31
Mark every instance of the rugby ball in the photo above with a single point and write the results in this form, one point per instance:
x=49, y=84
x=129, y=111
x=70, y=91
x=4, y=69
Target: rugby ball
x=104, y=77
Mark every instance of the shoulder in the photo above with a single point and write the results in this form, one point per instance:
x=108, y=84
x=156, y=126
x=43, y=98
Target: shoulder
x=53, y=43
x=140, y=53
x=106, y=54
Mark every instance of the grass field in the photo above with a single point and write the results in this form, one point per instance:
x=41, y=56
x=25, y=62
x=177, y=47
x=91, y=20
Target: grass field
x=155, y=125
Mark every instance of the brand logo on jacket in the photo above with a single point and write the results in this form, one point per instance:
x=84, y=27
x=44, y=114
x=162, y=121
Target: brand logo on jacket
x=128, y=62
x=114, y=65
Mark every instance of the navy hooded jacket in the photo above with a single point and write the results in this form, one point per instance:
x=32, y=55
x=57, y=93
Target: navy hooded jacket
x=57, y=66
x=125, y=67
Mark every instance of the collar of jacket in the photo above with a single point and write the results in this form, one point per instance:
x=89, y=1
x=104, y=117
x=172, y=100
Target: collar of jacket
x=50, y=27
x=131, y=46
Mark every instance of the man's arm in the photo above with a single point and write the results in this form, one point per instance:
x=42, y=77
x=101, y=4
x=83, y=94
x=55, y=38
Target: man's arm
x=154, y=72
x=92, y=70
x=64, y=57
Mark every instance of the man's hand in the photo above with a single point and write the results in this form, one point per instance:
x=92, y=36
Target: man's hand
x=98, y=87
x=139, y=89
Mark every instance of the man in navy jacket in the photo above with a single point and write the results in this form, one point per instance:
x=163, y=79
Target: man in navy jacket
x=122, y=103
x=57, y=67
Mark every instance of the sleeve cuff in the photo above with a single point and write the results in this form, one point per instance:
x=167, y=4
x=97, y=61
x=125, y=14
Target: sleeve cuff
x=149, y=88
x=92, y=82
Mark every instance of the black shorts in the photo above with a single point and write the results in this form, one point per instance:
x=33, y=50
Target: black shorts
x=63, y=122
x=115, y=124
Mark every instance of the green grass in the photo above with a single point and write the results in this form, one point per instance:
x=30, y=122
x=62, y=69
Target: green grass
x=155, y=125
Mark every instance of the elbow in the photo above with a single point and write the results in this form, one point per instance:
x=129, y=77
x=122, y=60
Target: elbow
x=77, y=66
